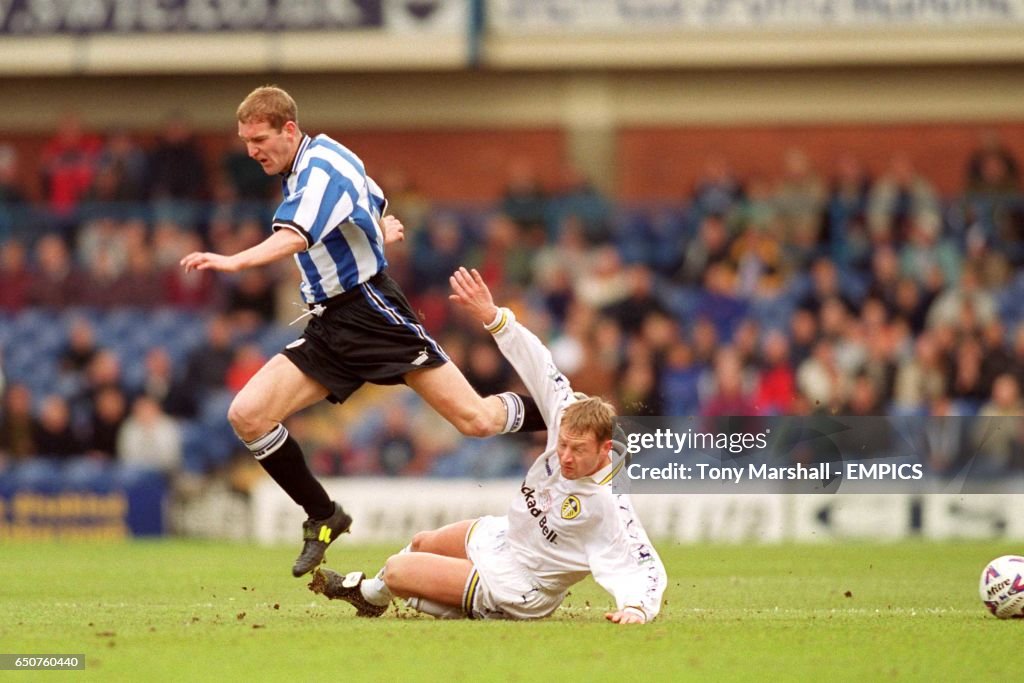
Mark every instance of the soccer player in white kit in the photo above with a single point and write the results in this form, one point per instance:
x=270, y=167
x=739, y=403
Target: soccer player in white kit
x=563, y=524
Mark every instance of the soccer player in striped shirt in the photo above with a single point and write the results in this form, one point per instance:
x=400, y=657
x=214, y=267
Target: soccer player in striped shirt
x=332, y=221
x=563, y=523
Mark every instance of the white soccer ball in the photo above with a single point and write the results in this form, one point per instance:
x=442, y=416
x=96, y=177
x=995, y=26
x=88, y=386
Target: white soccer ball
x=1002, y=587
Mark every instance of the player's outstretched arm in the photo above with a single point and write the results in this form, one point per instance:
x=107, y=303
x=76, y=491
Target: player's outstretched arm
x=472, y=293
x=280, y=244
x=626, y=616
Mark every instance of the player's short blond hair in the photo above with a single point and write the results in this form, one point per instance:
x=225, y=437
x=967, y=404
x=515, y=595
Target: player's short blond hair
x=269, y=104
x=590, y=415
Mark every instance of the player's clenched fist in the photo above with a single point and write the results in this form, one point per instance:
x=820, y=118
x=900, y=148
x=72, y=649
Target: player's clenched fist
x=393, y=229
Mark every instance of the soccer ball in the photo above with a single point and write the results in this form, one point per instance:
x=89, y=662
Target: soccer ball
x=1002, y=587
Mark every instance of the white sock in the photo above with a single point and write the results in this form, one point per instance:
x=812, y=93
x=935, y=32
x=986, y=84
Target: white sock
x=374, y=590
x=435, y=609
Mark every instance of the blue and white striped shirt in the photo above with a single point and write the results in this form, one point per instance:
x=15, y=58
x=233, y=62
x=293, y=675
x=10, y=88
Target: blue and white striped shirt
x=331, y=202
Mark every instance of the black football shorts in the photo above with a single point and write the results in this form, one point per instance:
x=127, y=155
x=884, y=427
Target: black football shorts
x=368, y=334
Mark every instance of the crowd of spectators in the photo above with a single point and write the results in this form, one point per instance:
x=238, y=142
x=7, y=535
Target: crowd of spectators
x=805, y=290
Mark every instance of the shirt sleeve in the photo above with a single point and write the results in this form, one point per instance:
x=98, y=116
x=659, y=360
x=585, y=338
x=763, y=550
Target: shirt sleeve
x=378, y=201
x=322, y=200
x=623, y=561
x=533, y=363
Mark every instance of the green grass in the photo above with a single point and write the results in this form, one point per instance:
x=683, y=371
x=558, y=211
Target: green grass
x=189, y=610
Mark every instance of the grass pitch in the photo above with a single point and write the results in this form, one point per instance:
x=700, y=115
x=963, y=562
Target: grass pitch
x=189, y=610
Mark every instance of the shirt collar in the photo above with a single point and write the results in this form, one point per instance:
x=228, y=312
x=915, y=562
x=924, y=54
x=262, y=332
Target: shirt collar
x=303, y=145
x=603, y=475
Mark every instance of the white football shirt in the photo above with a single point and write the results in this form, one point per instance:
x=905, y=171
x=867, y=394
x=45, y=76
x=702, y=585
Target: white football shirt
x=563, y=529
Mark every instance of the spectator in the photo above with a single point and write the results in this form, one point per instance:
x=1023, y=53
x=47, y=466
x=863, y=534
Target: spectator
x=996, y=358
x=439, y=251
x=996, y=437
x=945, y=438
x=569, y=255
x=150, y=439
x=920, y=378
x=992, y=166
x=642, y=301
x=194, y=289
x=503, y=258
x=966, y=381
x=821, y=379
x=847, y=212
x=951, y=305
x=485, y=369
x=605, y=283
x=339, y=457
x=637, y=383
x=15, y=279
x=911, y=304
x=14, y=212
x=81, y=348
x=53, y=432
x=717, y=191
x=247, y=181
x=825, y=286
x=68, y=164
x=800, y=200
x=710, y=247
x=776, y=384
x=394, y=443
x=524, y=201
x=758, y=256
x=250, y=299
x=899, y=197
x=137, y=286
x=103, y=372
x=107, y=417
x=404, y=199
x=248, y=359
x=803, y=332
x=173, y=397
x=124, y=161
x=11, y=192
x=101, y=240
x=578, y=196
x=863, y=400
x=705, y=340
x=729, y=395
x=17, y=432
x=177, y=170
x=56, y=282
x=927, y=252
x=1017, y=353
x=601, y=358
x=718, y=301
x=678, y=383
x=208, y=364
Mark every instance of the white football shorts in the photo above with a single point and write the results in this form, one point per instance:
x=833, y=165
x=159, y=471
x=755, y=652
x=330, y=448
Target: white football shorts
x=499, y=587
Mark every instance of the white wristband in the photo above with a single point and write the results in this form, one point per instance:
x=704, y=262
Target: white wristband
x=500, y=320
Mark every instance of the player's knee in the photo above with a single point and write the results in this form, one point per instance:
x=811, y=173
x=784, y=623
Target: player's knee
x=394, y=575
x=420, y=542
x=246, y=420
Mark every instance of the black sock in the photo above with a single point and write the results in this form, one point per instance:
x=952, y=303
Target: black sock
x=533, y=421
x=288, y=468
